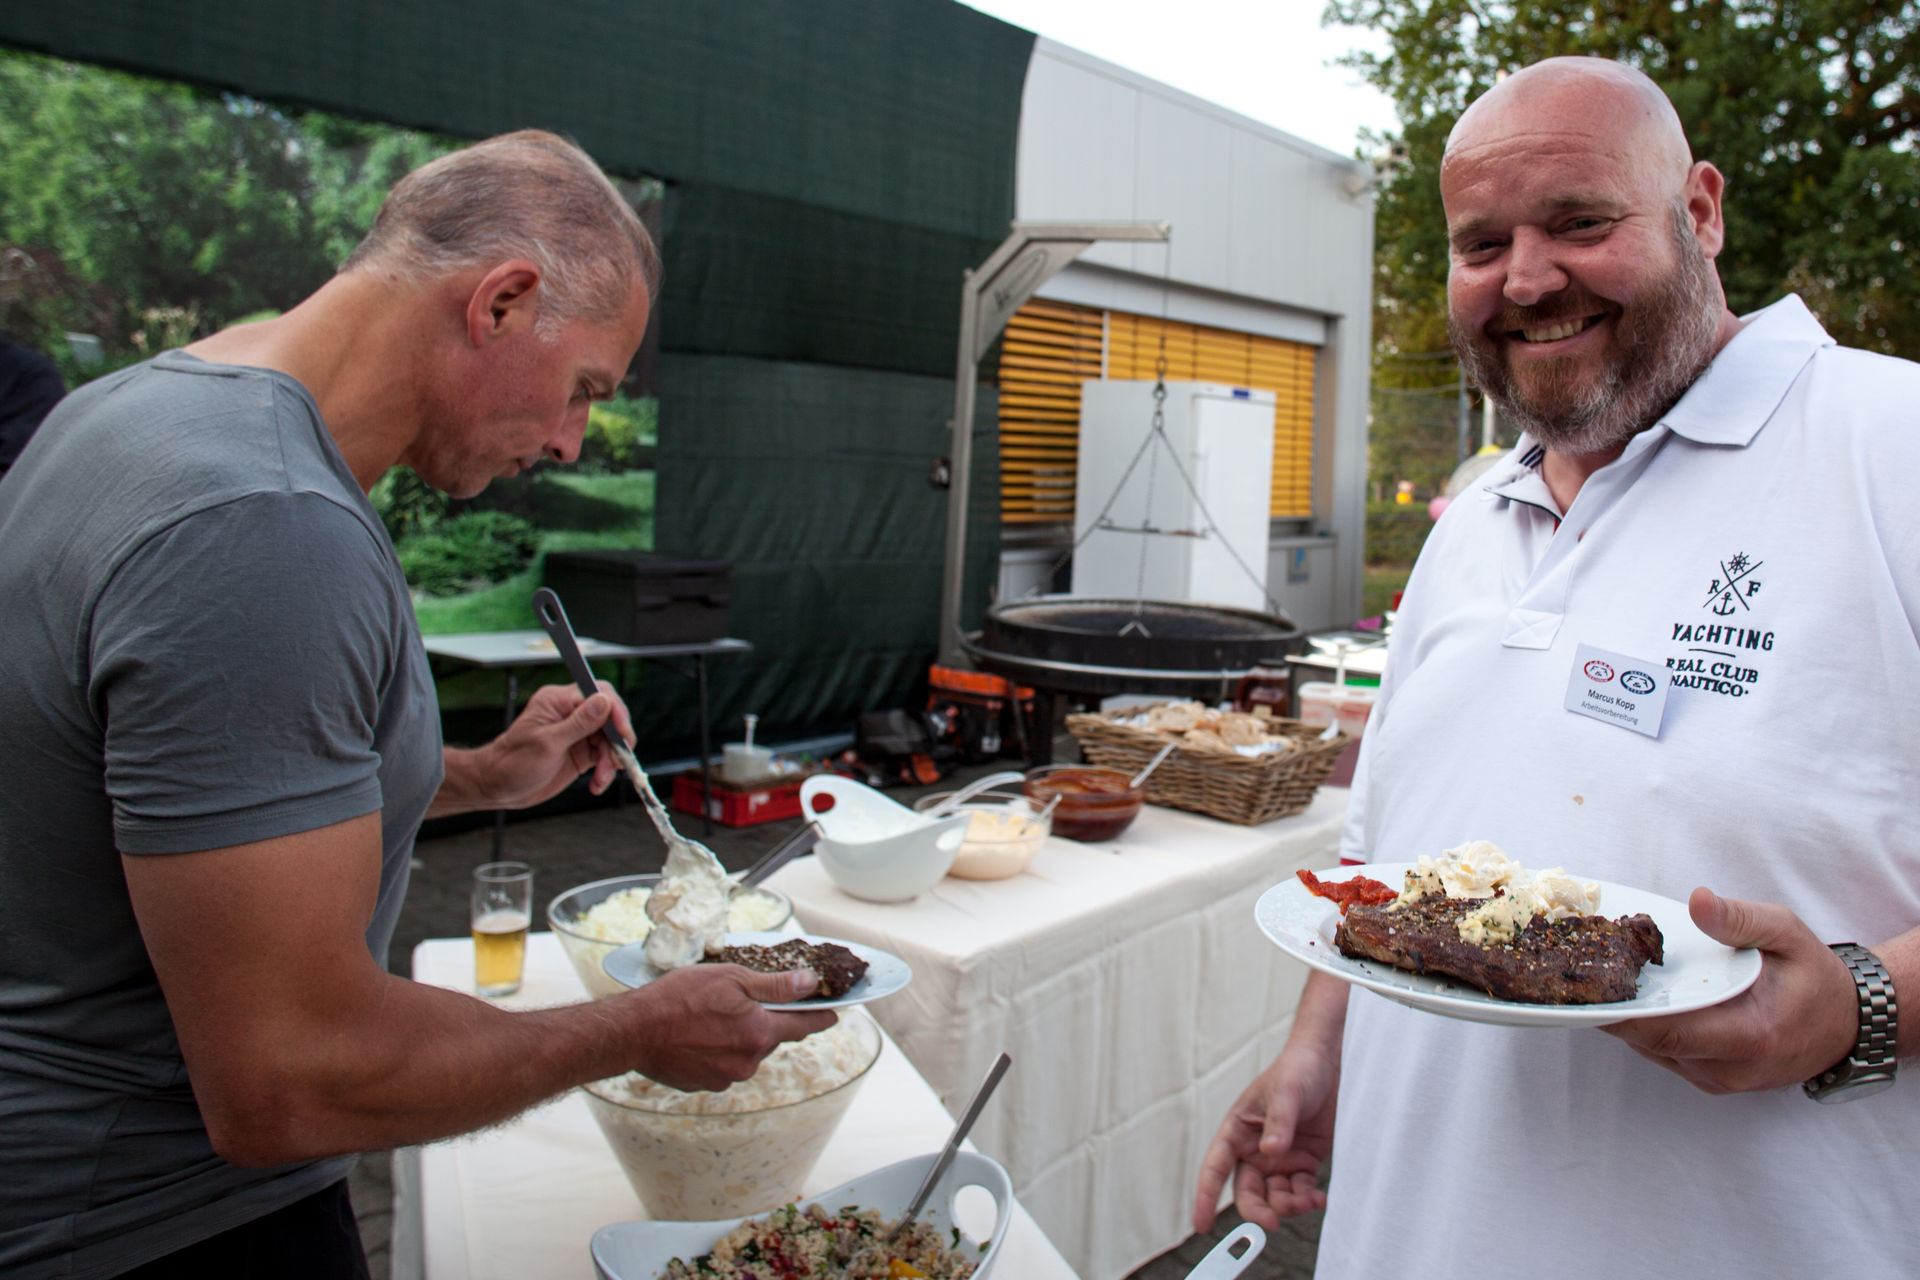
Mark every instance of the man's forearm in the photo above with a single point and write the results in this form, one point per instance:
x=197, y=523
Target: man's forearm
x=299, y=1045
x=421, y=1063
x=1320, y=1019
x=465, y=786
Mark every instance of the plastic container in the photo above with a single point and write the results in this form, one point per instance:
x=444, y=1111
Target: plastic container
x=1347, y=705
x=746, y=1149
x=752, y=910
x=1095, y=803
x=1354, y=706
x=734, y=806
x=745, y=763
x=1004, y=832
x=1319, y=704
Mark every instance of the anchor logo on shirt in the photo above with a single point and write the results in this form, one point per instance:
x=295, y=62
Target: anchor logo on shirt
x=1735, y=586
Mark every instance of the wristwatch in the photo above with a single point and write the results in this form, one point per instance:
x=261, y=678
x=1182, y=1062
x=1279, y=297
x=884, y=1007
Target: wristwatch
x=1870, y=1067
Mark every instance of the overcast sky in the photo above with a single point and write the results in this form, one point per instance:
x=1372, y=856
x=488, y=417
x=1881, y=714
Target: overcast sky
x=1268, y=59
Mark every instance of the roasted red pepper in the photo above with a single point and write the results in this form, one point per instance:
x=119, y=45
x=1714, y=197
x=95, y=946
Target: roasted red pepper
x=1367, y=892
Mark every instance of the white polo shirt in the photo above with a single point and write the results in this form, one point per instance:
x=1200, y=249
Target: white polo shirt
x=1761, y=545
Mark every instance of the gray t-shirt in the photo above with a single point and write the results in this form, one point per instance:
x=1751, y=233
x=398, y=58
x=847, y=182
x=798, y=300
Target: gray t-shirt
x=207, y=640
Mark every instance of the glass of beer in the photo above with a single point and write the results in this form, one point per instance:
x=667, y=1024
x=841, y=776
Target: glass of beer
x=502, y=910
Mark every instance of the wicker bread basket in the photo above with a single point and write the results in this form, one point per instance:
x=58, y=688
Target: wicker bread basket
x=1234, y=788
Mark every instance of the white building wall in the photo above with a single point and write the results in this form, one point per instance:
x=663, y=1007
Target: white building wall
x=1271, y=235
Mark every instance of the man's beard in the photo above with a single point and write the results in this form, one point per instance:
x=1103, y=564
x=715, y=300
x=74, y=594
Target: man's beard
x=1663, y=341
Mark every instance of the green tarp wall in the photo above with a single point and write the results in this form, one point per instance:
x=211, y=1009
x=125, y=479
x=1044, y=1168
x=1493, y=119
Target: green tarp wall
x=832, y=166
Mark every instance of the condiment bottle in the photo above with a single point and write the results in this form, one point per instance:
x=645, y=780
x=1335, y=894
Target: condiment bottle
x=1267, y=685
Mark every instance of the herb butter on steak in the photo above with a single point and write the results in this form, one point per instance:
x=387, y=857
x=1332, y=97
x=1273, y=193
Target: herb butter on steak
x=1573, y=960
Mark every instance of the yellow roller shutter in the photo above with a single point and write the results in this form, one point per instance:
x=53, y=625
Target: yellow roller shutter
x=1199, y=354
x=1051, y=346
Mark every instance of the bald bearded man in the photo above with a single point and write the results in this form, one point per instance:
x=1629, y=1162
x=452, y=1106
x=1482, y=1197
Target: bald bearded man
x=1675, y=461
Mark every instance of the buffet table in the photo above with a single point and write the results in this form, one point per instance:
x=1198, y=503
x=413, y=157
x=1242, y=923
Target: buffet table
x=521, y=1201
x=1132, y=988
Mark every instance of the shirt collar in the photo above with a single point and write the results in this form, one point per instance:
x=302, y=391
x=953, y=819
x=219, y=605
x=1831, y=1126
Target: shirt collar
x=1517, y=476
x=1728, y=404
x=1746, y=382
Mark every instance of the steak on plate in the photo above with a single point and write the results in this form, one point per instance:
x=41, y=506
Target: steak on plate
x=836, y=967
x=1578, y=960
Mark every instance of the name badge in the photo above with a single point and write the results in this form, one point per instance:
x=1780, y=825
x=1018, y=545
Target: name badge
x=1615, y=689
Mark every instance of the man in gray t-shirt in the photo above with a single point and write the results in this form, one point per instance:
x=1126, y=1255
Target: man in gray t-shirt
x=219, y=737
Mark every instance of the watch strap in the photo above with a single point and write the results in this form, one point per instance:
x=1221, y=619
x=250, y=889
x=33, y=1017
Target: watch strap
x=1873, y=1053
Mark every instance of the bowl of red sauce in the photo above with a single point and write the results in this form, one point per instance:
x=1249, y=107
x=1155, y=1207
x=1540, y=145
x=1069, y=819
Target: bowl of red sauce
x=1096, y=803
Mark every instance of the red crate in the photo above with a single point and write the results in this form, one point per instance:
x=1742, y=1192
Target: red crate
x=735, y=807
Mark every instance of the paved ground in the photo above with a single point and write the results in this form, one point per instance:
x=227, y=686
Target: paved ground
x=596, y=843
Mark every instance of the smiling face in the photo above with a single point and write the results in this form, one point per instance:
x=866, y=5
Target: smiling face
x=1580, y=294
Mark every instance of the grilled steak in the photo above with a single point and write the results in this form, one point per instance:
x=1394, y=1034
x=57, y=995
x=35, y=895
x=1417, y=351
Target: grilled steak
x=1579, y=960
x=837, y=968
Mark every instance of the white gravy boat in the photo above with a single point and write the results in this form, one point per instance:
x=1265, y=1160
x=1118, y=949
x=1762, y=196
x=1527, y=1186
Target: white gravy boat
x=876, y=848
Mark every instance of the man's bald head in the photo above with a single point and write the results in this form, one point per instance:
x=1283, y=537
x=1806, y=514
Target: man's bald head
x=1583, y=96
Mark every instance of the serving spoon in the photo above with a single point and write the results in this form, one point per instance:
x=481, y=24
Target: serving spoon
x=940, y=1163
x=953, y=802
x=1144, y=774
x=553, y=619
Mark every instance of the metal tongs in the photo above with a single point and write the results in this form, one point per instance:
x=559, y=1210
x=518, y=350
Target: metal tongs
x=780, y=855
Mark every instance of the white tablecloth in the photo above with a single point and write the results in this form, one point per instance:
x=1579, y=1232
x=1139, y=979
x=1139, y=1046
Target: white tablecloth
x=521, y=1201
x=1132, y=988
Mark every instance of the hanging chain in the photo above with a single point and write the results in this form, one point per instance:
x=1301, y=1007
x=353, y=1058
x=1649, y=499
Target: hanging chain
x=1158, y=433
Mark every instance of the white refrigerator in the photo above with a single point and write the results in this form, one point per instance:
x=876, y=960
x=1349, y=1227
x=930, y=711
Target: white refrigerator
x=1205, y=543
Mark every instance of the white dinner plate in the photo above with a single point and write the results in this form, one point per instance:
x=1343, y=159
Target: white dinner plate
x=886, y=973
x=1698, y=971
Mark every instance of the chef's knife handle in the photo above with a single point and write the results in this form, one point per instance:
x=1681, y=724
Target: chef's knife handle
x=553, y=617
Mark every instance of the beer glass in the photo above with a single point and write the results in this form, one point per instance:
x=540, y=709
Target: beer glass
x=502, y=910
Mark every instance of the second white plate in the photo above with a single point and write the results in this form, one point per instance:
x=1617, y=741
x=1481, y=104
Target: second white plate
x=1698, y=972
x=886, y=973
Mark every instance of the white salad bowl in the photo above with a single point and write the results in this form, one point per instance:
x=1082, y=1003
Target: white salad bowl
x=642, y=1250
x=587, y=950
x=876, y=848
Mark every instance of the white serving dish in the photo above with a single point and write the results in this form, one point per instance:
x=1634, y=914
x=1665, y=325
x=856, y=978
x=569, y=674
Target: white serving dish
x=876, y=848
x=642, y=1250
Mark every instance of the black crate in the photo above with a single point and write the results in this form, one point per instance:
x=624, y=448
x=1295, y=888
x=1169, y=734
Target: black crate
x=642, y=597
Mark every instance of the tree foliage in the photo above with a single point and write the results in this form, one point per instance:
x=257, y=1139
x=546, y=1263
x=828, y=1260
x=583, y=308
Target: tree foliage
x=186, y=208
x=1810, y=108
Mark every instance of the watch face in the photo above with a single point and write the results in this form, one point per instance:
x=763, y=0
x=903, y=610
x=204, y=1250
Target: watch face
x=1861, y=1087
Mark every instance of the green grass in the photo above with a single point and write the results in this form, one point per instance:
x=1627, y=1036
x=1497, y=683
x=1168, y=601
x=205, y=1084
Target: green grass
x=578, y=513
x=1378, y=586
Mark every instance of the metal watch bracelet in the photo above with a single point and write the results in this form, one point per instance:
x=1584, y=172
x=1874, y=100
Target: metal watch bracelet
x=1870, y=1067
